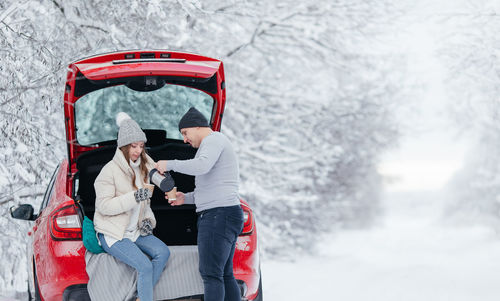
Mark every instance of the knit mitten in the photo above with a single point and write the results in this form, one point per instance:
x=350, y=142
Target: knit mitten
x=142, y=194
x=146, y=227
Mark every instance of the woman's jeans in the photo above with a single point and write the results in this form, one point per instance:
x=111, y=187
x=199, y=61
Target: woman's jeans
x=132, y=253
x=218, y=229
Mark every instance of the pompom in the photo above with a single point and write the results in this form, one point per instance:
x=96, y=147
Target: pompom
x=120, y=117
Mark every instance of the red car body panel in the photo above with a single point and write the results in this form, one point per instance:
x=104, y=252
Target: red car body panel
x=246, y=261
x=109, y=70
x=59, y=264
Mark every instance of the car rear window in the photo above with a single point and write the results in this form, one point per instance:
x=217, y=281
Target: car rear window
x=95, y=112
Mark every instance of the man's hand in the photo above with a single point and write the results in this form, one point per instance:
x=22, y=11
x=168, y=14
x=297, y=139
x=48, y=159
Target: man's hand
x=179, y=199
x=161, y=166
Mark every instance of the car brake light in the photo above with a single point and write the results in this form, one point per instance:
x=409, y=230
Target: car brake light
x=65, y=224
x=247, y=221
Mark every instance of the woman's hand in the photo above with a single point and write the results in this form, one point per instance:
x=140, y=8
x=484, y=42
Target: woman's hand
x=161, y=166
x=179, y=199
x=142, y=194
x=146, y=227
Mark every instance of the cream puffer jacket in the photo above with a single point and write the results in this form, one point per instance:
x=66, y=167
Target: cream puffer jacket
x=115, y=197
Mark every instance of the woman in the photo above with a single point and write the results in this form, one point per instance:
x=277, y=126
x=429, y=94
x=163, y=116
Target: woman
x=123, y=216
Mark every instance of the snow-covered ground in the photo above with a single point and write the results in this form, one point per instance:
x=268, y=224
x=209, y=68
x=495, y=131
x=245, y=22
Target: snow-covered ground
x=411, y=255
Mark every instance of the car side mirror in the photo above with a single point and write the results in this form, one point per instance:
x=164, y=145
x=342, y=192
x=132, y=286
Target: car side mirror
x=24, y=212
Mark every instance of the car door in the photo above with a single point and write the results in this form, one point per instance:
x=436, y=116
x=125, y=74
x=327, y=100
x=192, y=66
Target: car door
x=40, y=231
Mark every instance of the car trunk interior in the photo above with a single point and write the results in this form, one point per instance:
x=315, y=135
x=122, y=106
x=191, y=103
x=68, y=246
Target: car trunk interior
x=175, y=225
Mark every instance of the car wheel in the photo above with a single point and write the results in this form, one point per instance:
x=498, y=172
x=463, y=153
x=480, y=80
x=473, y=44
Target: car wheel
x=259, y=295
x=29, y=291
x=37, y=291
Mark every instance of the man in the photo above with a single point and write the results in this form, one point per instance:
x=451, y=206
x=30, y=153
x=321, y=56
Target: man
x=220, y=217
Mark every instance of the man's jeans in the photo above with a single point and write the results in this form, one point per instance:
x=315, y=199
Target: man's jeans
x=149, y=271
x=218, y=229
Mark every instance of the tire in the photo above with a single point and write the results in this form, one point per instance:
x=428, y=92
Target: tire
x=259, y=294
x=37, y=291
x=29, y=291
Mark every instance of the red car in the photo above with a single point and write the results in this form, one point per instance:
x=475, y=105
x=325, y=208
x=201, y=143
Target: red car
x=155, y=88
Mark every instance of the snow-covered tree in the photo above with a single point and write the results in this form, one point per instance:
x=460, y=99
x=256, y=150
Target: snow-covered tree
x=470, y=51
x=309, y=109
x=310, y=106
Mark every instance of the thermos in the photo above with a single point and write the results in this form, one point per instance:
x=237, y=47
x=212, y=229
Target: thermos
x=164, y=182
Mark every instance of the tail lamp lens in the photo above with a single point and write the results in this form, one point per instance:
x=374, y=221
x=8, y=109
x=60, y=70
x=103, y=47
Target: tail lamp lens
x=65, y=224
x=248, y=222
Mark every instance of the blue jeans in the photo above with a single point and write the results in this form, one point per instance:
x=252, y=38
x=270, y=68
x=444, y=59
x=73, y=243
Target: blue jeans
x=149, y=271
x=218, y=229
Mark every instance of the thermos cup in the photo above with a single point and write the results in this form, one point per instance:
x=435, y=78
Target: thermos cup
x=164, y=182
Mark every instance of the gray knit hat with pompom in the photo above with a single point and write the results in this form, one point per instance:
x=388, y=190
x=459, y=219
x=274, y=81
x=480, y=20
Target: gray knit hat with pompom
x=129, y=131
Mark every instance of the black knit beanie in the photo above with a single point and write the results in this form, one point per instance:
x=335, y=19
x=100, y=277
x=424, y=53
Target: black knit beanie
x=192, y=118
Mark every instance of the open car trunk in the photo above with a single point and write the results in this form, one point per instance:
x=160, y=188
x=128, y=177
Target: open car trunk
x=175, y=225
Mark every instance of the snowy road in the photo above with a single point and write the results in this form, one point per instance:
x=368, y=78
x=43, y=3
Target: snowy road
x=411, y=255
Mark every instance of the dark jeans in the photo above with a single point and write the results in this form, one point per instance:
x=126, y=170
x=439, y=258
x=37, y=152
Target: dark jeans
x=218, y=229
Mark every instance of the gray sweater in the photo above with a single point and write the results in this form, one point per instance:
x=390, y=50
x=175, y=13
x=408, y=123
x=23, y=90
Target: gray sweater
x=215, y=168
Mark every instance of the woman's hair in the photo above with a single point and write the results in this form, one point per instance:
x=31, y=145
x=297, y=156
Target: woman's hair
x=142, y=167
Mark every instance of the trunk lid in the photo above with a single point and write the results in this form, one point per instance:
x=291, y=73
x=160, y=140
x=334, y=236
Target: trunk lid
x=154, y=87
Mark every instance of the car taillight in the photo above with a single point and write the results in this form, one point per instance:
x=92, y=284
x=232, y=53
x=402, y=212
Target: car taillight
x=247, y=221
x=65, y=224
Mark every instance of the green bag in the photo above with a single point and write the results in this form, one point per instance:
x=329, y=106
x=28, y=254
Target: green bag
x=89, y=237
